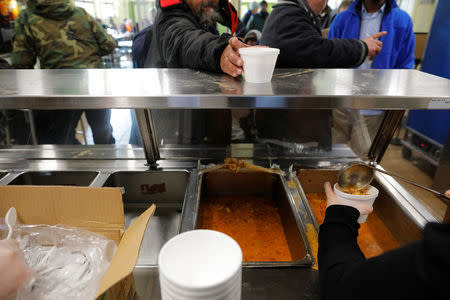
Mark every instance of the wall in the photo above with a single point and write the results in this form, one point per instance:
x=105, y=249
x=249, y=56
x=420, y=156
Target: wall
x=422, y=15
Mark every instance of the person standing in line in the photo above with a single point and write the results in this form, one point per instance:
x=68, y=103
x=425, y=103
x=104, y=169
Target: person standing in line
x=253, y=9
x=365, y=18
x=62, y=36
x=258, y=20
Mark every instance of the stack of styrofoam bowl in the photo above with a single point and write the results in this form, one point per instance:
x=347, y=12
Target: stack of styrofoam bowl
x=200, y=264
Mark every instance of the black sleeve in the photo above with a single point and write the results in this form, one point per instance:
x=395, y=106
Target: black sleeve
x=417, y=271
x=185, y=45
x=302, y=46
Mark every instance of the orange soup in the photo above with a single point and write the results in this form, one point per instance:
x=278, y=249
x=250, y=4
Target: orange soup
x=254, y=222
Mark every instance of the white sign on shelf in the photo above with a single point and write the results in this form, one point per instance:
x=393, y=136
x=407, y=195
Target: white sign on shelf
x=439, y=104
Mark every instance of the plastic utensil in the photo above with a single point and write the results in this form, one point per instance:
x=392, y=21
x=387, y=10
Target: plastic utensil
x=10, y=219
x=357, y=175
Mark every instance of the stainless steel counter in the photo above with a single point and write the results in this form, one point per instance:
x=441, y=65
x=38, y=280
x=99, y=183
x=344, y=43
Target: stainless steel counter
x=261, y=284
x=124, y=167
x=135, y=155
x=185, y=88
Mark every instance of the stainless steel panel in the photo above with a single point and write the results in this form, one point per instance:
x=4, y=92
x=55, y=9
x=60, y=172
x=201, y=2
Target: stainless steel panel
x=164, y=188
x=71, y=178
x=162, y=226
x=186, y=88
x=2, y=174
x=256, y=184
x=257, y=283
x=72, y=152
x=395, y=216
x=10, y=176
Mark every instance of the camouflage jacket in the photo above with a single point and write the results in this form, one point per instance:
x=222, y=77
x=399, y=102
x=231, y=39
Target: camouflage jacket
x=61, y=35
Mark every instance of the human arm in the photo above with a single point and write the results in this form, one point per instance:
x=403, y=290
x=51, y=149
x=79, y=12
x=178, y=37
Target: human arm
x=14, y=271
x=417, y=271
x=105, y=42
x=24, y=53
x=373, y=43
x=183, y=43
x=302, y=45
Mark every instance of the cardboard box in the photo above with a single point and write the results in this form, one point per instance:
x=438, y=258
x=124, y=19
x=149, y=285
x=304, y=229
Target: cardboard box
x=98, y=210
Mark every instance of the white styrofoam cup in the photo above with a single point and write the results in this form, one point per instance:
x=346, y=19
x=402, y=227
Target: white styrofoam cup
x=354, y=200
x=259, y=63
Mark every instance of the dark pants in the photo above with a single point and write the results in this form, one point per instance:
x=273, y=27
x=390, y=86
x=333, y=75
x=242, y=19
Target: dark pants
x=56, y=126
x=59, y=126
x=99, y=120
x=135, y=136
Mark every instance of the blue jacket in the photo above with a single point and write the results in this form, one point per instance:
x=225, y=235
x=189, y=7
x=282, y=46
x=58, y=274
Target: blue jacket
x=398, y=44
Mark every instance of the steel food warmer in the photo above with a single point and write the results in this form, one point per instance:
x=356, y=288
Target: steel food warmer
x=169, y=168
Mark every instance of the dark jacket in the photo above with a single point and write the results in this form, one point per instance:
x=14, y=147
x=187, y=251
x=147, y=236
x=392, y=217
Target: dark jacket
x=247, y=16
x=257, y=21
x=398, y=44
x=294, y=29
x=141, y=45
x=418, y=271
x=180, y=41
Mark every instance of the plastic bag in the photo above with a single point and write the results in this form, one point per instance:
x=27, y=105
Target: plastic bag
x=69, y=262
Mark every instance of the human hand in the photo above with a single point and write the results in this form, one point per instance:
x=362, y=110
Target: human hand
x=14, y=270
x=447, y=193
x=363, y=209
x=374, y=45
x=231, y=62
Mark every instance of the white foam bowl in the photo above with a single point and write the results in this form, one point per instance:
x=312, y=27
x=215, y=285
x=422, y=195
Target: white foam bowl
x=221, y=291
x=259, y=63
x=229, y=292
x=355, y=200
x=200, y=264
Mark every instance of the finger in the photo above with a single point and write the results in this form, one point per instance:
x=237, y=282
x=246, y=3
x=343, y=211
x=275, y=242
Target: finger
x=379, y=34
x=364, y=209
x=379, y=43
x=379, y=49
x=231, y=69
x=329, y=191
x=447, y=193
x=236, y=44
x=235, y=70
x=235, y=59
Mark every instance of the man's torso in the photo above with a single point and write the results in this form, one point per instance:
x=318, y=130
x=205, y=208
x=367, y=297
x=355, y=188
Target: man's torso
x=68, y=43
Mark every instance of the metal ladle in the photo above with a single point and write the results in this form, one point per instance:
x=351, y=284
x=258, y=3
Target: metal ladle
x=357, y=175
